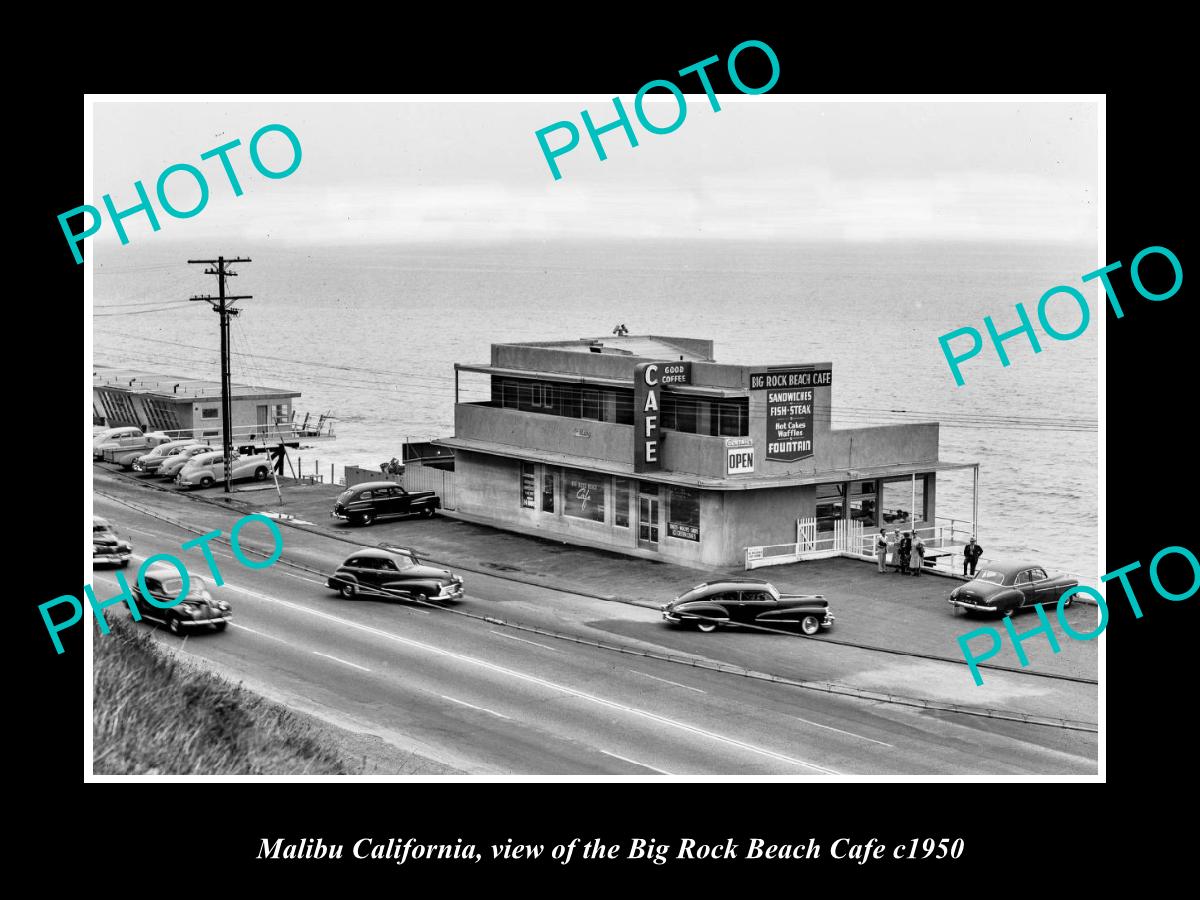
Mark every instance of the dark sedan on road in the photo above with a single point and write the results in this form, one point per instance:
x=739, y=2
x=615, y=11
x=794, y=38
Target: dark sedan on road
x=364, y=503
x=393, y=572
x=197, y=610
x=747, y=602
x=1004, y=588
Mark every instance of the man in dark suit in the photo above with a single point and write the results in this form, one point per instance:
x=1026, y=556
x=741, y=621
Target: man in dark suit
x=971, y=554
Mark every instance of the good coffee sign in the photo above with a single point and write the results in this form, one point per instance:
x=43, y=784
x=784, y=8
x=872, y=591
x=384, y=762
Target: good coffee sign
x=648, y=381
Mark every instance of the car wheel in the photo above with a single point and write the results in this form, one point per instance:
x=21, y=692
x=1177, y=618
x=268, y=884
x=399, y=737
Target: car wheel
x=1008, y=613
x=427, y=512
x=206, y=481
x=173, y=625
x=1069, y=601
x=810, y=625
x=220, y=626
x=366, y=519
x=125, y=565
x=421, y=597
x=348, y=591
x=706, y=625
x=260, y=474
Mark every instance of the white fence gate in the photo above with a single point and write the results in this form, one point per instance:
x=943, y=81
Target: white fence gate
x=847, y=536
x=806, y=535
x=426, y=478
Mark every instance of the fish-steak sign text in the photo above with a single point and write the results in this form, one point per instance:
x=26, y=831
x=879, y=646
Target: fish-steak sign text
x=648, y=382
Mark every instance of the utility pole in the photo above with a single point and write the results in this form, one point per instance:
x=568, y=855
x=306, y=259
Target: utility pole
x=222, y=305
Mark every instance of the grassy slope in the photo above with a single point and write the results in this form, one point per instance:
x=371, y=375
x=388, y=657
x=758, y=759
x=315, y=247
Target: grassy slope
x=154, y=714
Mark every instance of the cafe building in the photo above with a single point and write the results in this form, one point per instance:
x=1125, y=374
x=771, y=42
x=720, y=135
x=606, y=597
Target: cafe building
x=646, y=445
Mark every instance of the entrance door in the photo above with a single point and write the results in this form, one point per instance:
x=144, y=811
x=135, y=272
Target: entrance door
x=263, y=424
x=648, y=516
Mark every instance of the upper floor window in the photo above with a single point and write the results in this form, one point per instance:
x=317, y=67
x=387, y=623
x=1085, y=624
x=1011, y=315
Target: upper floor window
x=210, y=412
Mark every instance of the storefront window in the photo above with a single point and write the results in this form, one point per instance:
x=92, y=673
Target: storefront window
x=728, y=419
x=548, y=491
x=831, y=505
x=897, y=502
x=591, y=404
x=583, y=495
x=862, y=502
x=683, y=521
x=621, y=502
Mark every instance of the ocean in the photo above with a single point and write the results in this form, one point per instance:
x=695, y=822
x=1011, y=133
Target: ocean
x=371, y=334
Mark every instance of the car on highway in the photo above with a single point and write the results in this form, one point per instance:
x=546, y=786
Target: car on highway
x=152, y=459
x=198, y=610
x=371, y=500
x=746, y=601
x=393, y=572
x=170, y=466
x=1004, y=588
x=205, y=469
x=107, y=546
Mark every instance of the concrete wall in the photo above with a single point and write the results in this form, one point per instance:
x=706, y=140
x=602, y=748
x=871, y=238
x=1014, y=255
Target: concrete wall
x=578, y=437
x=879, y=446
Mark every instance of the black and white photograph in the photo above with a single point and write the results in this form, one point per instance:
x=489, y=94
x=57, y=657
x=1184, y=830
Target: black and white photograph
x=530, y=436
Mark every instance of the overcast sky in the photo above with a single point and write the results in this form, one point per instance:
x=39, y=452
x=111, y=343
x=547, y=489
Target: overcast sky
x=761, y=168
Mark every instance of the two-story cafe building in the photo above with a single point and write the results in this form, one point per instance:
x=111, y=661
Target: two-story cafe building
x=648, y=446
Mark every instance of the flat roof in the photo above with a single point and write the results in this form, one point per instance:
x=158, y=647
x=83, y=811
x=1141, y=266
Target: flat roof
x=732, y=483
x=647, y=346
x=177, y=387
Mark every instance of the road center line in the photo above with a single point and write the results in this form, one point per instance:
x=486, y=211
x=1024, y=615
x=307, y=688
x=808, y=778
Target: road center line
x=634, y=762
x=851, y=733
x=344, y=662
x=473, y=706
x=666, y=681
x=532, y=679
x=513, y=637
x=260, y=633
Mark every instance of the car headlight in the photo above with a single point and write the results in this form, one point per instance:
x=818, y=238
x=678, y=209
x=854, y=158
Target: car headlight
x=223, y=605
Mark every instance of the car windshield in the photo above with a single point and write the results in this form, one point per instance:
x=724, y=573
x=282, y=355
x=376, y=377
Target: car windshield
x=196, y=587
x=990, y=575
x=102, y=528
x=403, y=560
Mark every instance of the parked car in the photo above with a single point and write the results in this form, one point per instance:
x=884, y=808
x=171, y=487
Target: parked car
x=204, y=469
x=197, y=610
x=364, y=503
x=107, y=546
x=736, y=602
x=393, y=572
x=170, y=466
x=1004, y=588
x=152, y=459
x=116, y=438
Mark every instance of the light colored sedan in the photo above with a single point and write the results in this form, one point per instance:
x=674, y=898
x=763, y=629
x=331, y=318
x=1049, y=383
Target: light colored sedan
x=150, y=461
x=206, y=469
x=172, y=464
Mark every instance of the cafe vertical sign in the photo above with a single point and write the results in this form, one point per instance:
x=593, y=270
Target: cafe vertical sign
x=791, y=396
x=648, y=381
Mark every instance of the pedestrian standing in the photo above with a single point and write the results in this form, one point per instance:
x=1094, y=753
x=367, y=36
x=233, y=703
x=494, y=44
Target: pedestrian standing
x=918, y=554
x=896, y=549
x=881, y=545
x=971, y=554
x=905, y=553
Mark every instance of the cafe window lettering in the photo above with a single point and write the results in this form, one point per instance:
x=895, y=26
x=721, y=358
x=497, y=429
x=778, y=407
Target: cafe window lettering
x=683, y=521
x=831, y=504
x=621, y=502
x=583, y=495
x=528, y=486
x=897, y=503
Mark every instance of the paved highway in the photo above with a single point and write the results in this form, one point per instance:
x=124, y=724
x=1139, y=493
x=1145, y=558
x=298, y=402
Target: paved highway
x=490, y=699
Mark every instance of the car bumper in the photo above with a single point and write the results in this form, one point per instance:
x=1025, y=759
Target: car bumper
x=828, y=621
x=119, y=557
x=338, y=515
x=196, y=623
x=451, y=592
x=969, y=604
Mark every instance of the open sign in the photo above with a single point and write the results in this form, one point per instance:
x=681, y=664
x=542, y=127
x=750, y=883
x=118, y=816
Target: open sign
x=739, y=457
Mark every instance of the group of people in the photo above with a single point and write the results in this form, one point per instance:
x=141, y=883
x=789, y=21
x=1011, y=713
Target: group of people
x=908, y=554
